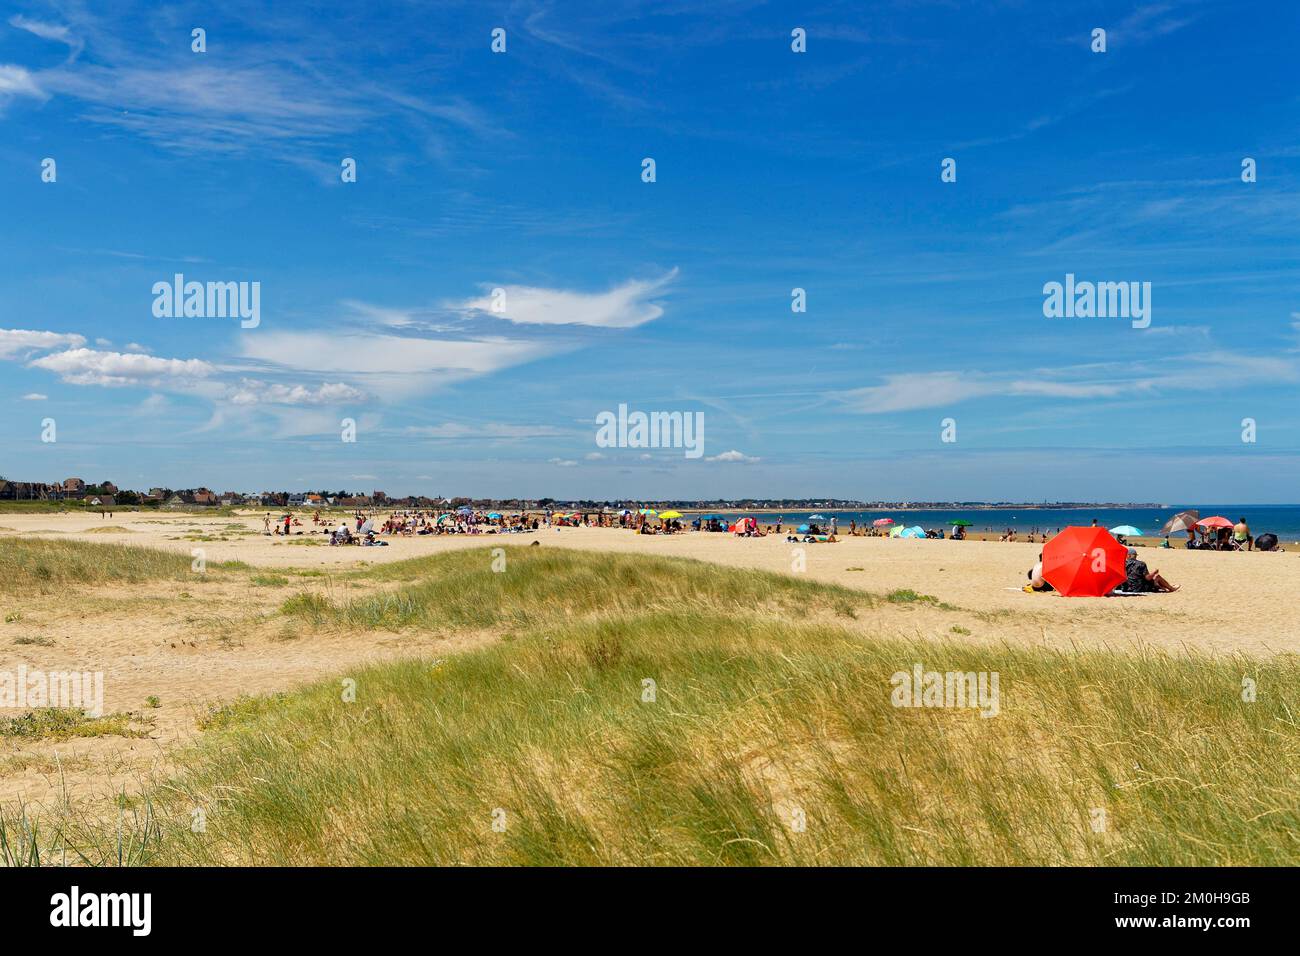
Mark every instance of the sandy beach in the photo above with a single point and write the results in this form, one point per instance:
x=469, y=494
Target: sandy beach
x=1228, y=602
x=192, y=646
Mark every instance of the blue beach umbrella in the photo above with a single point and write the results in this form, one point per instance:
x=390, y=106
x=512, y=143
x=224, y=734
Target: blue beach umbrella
x=1127, y=530
x=803, y=529
x=912, y=532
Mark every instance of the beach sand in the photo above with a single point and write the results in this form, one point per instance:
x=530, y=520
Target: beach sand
x=191, y=646
x=1230, y=601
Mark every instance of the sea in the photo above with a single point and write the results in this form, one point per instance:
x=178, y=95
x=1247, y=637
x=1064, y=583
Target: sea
x=1282, y=520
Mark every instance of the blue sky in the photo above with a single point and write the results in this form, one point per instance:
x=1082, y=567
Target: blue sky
x=774, y=170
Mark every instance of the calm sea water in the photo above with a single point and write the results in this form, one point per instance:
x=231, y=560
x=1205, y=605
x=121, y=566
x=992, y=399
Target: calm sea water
x=1282, y=520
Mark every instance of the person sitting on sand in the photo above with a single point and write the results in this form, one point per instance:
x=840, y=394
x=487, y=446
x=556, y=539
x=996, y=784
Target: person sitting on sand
x=1241, y=534
x=1138, y=580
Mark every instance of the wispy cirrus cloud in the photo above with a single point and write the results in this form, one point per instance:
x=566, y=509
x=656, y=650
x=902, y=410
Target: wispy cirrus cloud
x=486, y=430
x=263, y=94
x=1192, y=372
x=58, y=32
x=1149, y=21
x=625, y=306
x=390, y=366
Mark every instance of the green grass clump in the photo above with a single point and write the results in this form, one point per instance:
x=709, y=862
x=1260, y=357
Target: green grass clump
x=458, y=591
x=646, y=711
x=43, y=565
x=64, y=723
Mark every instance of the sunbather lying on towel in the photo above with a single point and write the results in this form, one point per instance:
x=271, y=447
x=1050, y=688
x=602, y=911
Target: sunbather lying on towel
x=1036, y=580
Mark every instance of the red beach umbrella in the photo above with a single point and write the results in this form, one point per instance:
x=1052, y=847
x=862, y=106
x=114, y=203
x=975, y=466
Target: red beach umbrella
x=1217, y=521
x=1084, y=562
x=881, y=522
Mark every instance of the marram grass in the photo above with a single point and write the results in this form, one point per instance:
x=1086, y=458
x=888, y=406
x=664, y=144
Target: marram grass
x=50, y=566
x=770, y=739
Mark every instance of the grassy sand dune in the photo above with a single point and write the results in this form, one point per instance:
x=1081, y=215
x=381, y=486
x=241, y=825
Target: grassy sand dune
x=42, y=564
x=770, y=738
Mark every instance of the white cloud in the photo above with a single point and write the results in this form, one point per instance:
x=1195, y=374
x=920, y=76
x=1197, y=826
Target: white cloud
x=391, y=366
x=88, y=367
x=593, y=456
x=34, y=397
x=270, y=96
x=253, y=392
x=562, y=462
x=15, y=341
x=906, y=392
x=486, y=430
x=47, y=31
x=1190, y=372
x=902, y=393
x=623, y=307
x=733, y=456
x=16, y=81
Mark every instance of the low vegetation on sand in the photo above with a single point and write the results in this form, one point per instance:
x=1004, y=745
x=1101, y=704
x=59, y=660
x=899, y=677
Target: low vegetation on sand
x=64, y=723
x=646, y=711
x=45, y=565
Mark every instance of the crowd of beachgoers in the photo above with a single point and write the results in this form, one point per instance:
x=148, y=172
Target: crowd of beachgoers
x=375, y=529
x=370, y=527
